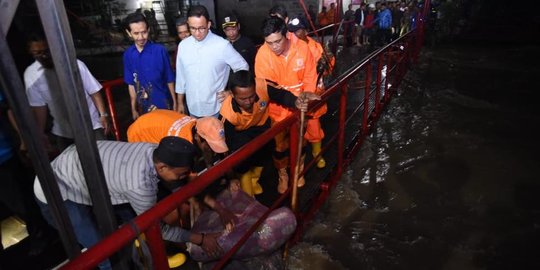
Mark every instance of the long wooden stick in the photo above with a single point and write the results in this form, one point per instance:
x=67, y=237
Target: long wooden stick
x=294, y=196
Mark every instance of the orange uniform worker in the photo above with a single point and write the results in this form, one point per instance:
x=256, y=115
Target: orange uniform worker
x=314, y=133
x=289, y=64
x=206, y=133
x=245, y=116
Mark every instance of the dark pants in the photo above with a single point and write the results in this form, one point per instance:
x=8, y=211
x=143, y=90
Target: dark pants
x=240, y=138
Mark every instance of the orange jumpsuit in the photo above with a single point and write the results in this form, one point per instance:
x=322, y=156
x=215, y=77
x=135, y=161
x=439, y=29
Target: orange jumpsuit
x=295, y=73
x=155, y=125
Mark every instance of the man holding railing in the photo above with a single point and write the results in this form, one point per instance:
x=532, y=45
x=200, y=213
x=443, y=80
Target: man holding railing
x=245, y=116
x=132, y=172
x=290, y=64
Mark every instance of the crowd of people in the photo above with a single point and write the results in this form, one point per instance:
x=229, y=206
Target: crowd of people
x=213, y=97
x=376, y=23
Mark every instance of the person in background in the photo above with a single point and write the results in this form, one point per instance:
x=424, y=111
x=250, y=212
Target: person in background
x=279, y=11
x=348, y=18
x=182, y=32
x=245, y=116
x=202, y=67
x=360, y=16
x=383, y=20
x=147, y=70
x=331, y=13
x=16, y=193
x=241, y=43
x=322, y=20
x=132, y=172
x=289, y=64
x=44, y=96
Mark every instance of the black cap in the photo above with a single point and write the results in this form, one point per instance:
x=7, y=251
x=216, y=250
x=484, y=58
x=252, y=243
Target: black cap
x=175, y=152
x=229, y=20
x=298, y=22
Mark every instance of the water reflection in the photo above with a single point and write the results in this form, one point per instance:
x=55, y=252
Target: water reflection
x=447, y=180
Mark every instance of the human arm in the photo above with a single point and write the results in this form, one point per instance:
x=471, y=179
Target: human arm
x=133, y=102
x=180, y=106
x=234, y=59
x=40, y=114
x=173, y=95
x=97, y=99
x=286, y=98
x=228, y=219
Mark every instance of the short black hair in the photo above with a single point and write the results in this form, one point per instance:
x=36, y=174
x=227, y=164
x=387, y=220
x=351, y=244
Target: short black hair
x=241, y=78
x=198, y=11
x=134, y=18
x=181, y=21
x=279, y=10
x=273, y=25
x=35, y=37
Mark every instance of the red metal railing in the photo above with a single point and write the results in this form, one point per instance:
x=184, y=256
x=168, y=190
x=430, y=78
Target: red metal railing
x=393, y=59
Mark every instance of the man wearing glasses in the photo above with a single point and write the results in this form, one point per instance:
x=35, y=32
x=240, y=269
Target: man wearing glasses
x=202, y=67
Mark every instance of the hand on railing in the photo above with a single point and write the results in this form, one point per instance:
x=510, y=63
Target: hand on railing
x=303, y=100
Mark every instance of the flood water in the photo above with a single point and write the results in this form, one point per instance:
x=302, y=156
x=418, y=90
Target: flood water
x=449, y=177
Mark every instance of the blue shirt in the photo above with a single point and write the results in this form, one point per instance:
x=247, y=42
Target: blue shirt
x=202, y=70
x=152, y=69
x=5, y=143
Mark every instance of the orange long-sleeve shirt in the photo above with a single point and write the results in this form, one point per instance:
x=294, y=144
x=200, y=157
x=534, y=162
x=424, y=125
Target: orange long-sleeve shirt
x=296, y=72
x=155, y=125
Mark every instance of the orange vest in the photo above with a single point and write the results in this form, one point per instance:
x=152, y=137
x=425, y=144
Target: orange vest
x=153, y=126
x=243, y=120
x=295, y=73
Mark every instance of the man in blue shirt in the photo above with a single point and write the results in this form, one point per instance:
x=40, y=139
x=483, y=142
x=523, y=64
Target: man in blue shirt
x=202, y=66
x=147, y=70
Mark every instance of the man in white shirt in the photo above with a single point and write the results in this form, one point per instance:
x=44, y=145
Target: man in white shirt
x=202, y=67
x=44, y=95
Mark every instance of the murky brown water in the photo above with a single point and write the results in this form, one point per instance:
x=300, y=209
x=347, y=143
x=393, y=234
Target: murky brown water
x=448, y=179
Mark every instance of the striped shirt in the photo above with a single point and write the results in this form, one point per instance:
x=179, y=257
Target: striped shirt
x=129, y=173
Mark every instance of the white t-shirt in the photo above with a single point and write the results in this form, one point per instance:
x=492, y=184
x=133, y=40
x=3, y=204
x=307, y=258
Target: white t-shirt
x=39, y=81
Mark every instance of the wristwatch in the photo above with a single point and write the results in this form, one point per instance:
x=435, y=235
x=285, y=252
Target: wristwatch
x=103, y=114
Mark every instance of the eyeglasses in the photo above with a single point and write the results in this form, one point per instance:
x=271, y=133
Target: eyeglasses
x=197, y=29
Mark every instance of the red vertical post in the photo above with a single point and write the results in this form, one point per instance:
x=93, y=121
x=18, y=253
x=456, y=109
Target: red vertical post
x=341, y=130
x=367, y=91
x=157, y=247
x=378, y=85
x=108, y=85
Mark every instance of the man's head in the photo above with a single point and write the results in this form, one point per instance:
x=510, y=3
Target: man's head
x=242, y=85
x=333, y=5
x=210, y=134
x=298, y=25
x=350, y=6
x=39, y=49
x=274, y=31
x=173, y=158
x=279, y=11
x=231, y=27
x=137, y=29
x=182, y=28
x=199, y=22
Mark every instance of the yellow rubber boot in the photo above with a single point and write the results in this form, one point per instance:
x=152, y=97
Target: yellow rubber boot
x=246, y=184
x=255, y=175
x=176, y=260
x=315, y=150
